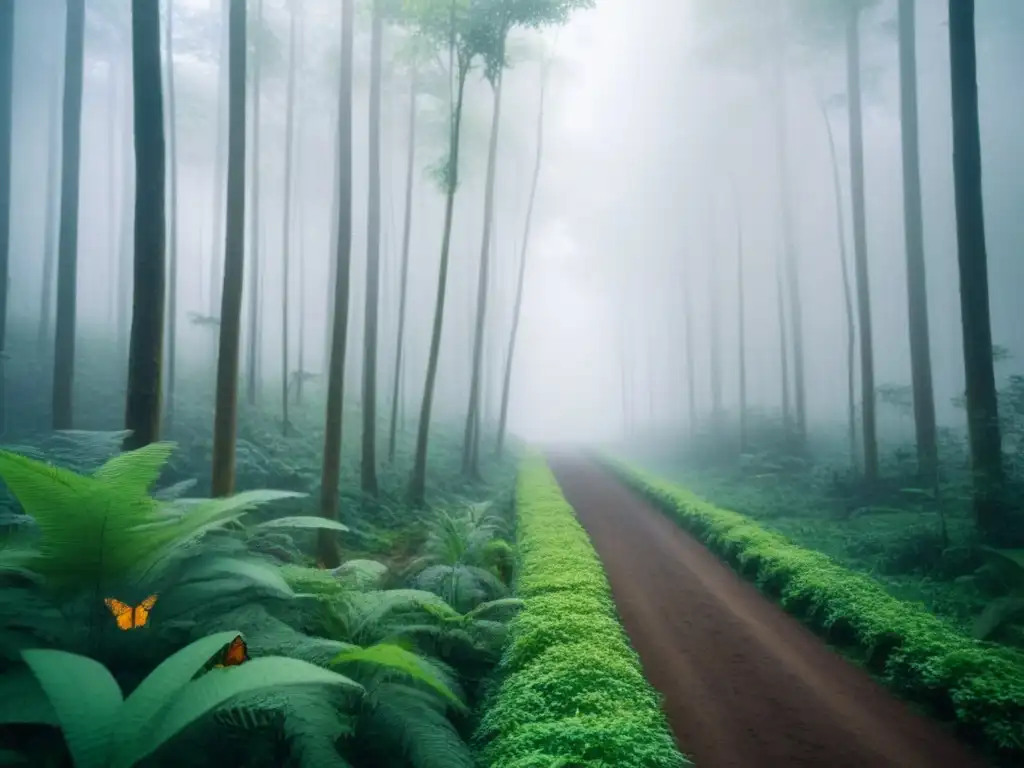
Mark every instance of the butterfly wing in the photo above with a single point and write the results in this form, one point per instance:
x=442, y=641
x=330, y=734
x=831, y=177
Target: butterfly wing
x=237, y=653
x=141, y=613
x=122, y=612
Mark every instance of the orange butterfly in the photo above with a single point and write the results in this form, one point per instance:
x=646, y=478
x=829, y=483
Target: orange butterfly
x=236, y=653
x=130, y=617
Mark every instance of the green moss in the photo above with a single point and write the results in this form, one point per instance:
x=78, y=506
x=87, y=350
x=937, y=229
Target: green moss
x=978, y=686
x=572, y=691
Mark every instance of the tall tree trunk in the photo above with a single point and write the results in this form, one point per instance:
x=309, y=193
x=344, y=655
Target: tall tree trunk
x=125, y=247
x=715, y=348
x=226, y=410
x=860, y=246
x=403, y=284
x=220, y=161
x=982, y=404
x=113, y=260
x=368, y=467
x=741, y=322
x=691, y=363
x=67, y=248
x=286, y=210
x=53, y=172
x=506, y=383
x=917, y=286
x=6, y=134
x=327, y=547
x=145, y=357
x=851, y=327
x=332, y=264
x=418, y=483
x=780, y=301
x=470, y=456
x=298, y=159
x=172, y=229
x=791, y=256
x=252, y=362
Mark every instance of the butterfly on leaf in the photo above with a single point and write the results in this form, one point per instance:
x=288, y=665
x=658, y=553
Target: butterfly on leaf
x=236, y=652
x=129, y=616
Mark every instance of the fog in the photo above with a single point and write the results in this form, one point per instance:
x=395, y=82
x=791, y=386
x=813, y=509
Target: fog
x=656, y=111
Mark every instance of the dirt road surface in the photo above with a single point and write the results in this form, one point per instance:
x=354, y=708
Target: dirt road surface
x=745, y=684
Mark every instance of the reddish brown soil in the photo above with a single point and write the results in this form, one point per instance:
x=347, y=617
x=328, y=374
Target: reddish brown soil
x=744, y=684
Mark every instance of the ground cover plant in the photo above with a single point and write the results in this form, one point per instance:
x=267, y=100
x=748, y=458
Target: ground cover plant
x=571, y=689
x=977, y=685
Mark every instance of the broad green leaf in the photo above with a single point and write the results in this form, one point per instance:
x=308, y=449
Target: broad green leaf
x=23, y=700
x=304, y=521
x=218, y=686
x=396, y=658
x=85, y=698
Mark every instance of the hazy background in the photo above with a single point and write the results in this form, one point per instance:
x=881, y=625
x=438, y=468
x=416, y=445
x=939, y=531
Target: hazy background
x=645, y=134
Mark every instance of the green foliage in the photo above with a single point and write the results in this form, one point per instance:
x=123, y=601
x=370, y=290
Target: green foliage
x=918, y=655
x=572, y=689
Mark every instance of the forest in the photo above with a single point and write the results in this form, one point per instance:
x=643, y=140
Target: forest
x=511, y=383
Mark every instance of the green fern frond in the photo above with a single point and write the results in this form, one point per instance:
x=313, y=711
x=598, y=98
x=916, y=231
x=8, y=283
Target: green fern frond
x=392, y=659
x=136, y=470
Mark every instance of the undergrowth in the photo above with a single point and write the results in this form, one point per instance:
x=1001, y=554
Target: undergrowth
x=571, y=691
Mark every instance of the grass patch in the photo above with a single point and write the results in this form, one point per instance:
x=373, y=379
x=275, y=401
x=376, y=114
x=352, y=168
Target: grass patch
x=572, y=691
x=978, y=686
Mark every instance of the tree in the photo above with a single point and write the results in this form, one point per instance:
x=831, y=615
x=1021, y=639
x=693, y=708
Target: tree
x=67, y=243
x=226, y=407
x=851, y=327
x=172, y=230
x=972, y=258
x=368, y=474
x=145, y=357
x=6, y=133
x=286, y=209
x=220, y=164
x=741, y=321
x=403, y=281
x=327, y=548
x=125, y=245
x=506, y=384
x=254, y=215
x=913, y=227
x=53, y=170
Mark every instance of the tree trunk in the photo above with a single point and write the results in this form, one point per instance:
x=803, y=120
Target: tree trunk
x=860, y=247
x=67, y=248
x=113, y=260
x=286, y=210
x=851, y=327
x=715, y=350
x=506, y=384
x=691, y=366
x=787, y=417
x=741, y=321
x=403, y=285
x=172, y=228
x=145, y=357
x=913, y=227
x=220, y=161
x=418, y=483
x=470, y=455
x=791, y=256
x=53, y=172
x=368, y=468
x=226, y=409
x=127, y=234
x=982, y=404
x=327, y=547
x=252, y=361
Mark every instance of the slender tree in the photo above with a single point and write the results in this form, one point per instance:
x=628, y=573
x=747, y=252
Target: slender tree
x=403, y=281
x=286, y=209
x=252, y=375
x=220, y=161
x=172, y=201
x=368, y=474
x=67, y=244
x=741, y=321
x=53, y=171
x=506, y=384
x=860, y=244
x=780, y=302
x=127, y=227
x=913, y=227
x=327, y=548
x=226, y=409
x=142, y=406
x=982, y=403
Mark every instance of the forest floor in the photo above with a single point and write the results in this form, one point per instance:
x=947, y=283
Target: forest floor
x=744, y=684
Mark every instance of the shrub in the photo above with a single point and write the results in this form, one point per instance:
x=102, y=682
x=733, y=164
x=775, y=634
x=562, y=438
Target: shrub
x=572, y=691
x=980, y=687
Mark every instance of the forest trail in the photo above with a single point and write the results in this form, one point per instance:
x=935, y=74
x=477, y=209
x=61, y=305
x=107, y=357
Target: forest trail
x=744, y=683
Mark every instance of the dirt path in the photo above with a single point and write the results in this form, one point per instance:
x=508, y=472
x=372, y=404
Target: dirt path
x=744, y=684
